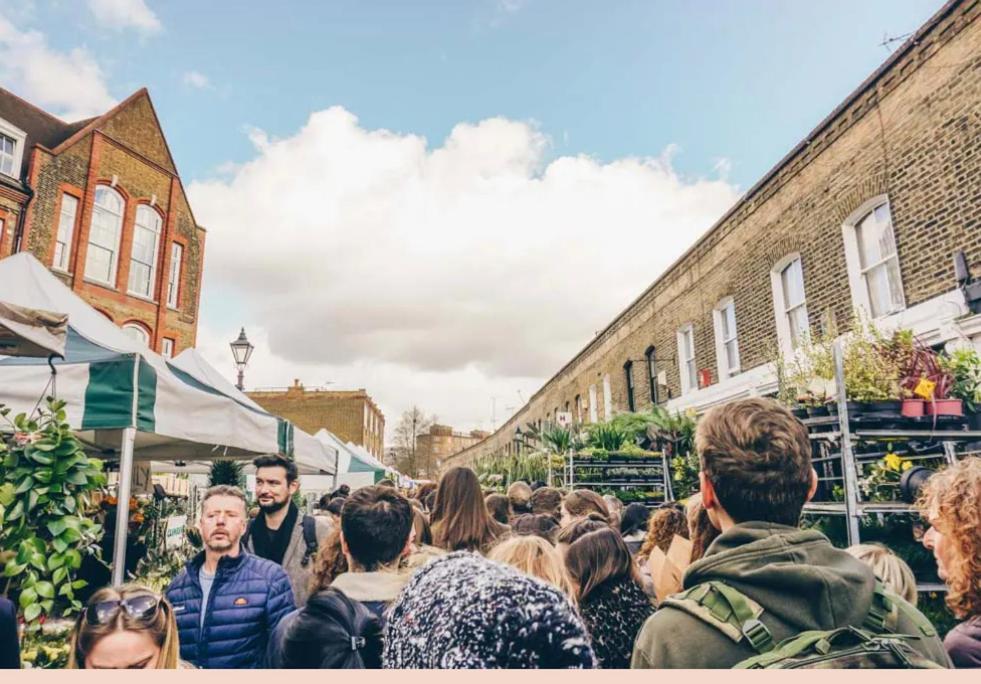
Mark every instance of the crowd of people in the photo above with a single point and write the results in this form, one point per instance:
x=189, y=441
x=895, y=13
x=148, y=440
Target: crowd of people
x=450, y=576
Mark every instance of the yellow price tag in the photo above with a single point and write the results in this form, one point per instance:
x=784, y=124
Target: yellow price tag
x=925, y=388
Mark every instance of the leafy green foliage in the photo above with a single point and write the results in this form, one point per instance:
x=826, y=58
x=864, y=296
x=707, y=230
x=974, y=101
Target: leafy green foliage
x=46, y=483
x=608, y=436
x=226, y=472
x=964, y=366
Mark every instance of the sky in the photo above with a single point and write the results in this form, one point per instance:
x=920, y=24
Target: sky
x=442, y=202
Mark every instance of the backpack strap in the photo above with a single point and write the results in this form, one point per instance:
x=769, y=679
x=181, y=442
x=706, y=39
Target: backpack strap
x=727, y=610
x=886, y=608
x=309, y=538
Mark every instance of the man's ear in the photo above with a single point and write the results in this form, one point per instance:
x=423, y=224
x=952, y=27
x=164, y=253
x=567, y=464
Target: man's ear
x=407, y=549
x=709, y=500
x=814, y=485
x=344, y=548
x=294, y=486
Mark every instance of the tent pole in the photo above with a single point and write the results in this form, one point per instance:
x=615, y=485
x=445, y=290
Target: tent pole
x=122, y=506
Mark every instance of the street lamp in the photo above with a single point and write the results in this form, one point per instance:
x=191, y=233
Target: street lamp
x=242, y=351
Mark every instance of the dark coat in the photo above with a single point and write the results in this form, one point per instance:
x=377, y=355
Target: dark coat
x=331, y=631
x=963, y=643
x=9, y=646
x=249, y=597
x=614, y=612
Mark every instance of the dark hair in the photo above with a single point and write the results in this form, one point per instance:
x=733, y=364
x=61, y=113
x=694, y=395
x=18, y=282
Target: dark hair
x=583, y=502
x=376, y=522
x=634, y=518
x=597, y=558
x=336, y=505
x=420, y=523
x=538, y=484
x=460, y=519
x=277, y=461
x=386, y=482
x=758, y=458
x=333, y=632
x=574, y=530
x=499, y=507
x=543, y=526
x=548, y=501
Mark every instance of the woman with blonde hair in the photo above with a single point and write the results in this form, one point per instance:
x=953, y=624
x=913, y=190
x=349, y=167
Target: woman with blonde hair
x=460, y=520
x=534, y=556
x=889, y=568
x=125, y=628
x=951, y=502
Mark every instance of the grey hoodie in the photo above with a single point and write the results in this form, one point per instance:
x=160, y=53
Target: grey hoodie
x=797, y=576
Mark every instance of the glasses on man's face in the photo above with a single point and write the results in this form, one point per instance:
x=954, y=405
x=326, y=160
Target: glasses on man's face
x=141, y=607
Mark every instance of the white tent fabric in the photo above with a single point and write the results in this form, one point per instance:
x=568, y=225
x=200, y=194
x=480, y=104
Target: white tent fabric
x=31, y=332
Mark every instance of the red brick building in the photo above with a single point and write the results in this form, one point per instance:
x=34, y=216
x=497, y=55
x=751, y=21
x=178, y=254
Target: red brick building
x=100, y=203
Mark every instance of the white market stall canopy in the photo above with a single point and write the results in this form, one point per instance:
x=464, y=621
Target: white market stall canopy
x=111, y=382
x=31, y=332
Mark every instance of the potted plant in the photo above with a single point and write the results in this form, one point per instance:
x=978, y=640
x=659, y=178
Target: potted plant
x=964, y=368
x=871, y=376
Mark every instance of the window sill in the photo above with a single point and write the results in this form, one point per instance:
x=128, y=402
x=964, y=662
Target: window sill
x=61, y=271
x=100, y=283
x=137, y=295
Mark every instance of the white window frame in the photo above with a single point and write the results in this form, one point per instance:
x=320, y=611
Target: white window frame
x=65, y=234
x=144, y=334
x=607, y=398
x=19, y=137
x=167, y=348
x=579, y=408
x=781, y=313
x=174, y=281
x=114, y=264
x=857, y=281
x=156, y=227
x=687, y=365
x=593, y=409
x=721, y=341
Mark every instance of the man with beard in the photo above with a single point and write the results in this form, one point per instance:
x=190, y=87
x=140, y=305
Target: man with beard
x=227, y=602
x=280, y=533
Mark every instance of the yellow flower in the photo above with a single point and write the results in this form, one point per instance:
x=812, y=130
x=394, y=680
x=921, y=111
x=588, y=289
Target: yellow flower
x=893, y=461
x=907, y=465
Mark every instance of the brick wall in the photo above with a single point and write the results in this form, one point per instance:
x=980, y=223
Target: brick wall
x=128, y=146
x=340, y=412
x=912, y=132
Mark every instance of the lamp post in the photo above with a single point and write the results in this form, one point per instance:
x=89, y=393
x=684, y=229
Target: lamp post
x=242, y=351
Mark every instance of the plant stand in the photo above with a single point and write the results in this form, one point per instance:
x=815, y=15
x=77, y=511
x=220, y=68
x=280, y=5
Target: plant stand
x=651, y=474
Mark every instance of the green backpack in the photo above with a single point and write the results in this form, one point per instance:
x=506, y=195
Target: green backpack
x=874, y=645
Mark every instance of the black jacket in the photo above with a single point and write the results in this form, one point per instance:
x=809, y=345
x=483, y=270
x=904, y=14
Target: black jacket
x=331, y=631
x=9, y=646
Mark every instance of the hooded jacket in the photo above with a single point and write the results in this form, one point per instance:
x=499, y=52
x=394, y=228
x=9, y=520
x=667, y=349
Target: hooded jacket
x=249, y=597
x=375, y=590
x=802, y=583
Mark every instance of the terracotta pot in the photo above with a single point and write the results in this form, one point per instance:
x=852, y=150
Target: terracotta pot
x=945, y=407
x=914, y=408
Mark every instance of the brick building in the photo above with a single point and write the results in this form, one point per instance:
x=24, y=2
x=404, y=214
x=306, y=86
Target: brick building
x=440, y=443
x=100, y=203
x=865, y=213
x=349, y=414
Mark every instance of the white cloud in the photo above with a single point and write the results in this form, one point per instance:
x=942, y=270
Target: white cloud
x=69, y=84
x=124, y=14
x=196, y=79
x=437, y=275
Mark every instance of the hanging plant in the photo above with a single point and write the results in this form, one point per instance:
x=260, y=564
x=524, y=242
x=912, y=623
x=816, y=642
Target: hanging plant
x=46, y=485
x=226, y=472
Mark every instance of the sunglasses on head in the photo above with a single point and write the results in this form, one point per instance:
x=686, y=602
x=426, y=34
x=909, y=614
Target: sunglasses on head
x=141, y=607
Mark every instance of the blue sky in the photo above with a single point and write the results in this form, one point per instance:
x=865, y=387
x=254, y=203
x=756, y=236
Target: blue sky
x=459, y=259
x=744, y=80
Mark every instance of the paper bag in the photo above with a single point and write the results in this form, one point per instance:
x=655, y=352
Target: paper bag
x=667, y=570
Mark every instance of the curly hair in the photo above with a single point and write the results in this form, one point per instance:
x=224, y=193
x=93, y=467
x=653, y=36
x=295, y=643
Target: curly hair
x=661, y=528
x=329, y=561
x=951, y=500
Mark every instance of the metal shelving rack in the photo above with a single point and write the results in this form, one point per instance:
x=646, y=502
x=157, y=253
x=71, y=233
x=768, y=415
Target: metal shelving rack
x=846, y=434
x=661, y=481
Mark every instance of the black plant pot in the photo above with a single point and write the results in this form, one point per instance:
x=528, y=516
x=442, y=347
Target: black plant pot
x=817, y=411
x=799, y=412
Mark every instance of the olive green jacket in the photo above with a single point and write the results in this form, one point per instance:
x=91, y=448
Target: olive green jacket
x=802, y=583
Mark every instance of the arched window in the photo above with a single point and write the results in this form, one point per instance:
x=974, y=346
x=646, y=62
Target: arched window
x=628, y=371
x=146, y=240
x=872, y=259
x=107, y=223
x=137, y=332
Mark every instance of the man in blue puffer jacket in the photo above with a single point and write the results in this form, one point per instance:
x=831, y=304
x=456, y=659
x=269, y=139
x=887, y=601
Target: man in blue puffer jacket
x=227, y=602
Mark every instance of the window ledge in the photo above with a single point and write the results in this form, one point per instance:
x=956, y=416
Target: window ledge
x=100, y=283
x=137, y=295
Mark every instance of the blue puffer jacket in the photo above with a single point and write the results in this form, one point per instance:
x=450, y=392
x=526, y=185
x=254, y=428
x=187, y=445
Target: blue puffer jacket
x=248, y=598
